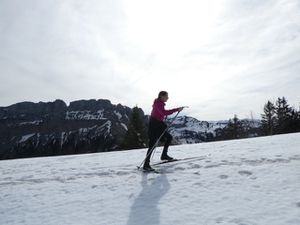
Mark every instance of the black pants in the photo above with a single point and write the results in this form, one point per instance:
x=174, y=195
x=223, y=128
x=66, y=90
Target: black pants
x=156, y=128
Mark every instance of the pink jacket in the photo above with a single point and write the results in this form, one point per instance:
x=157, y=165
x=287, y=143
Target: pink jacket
x=158, y=110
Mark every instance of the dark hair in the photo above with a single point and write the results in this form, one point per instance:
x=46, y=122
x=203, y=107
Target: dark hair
x=162, y=93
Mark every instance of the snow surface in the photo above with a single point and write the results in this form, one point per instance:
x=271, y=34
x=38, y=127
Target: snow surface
x=124, y=126
x=85, y=115
x=26, y=137
x=35, y=122
x=242, y=182
x=119, y=115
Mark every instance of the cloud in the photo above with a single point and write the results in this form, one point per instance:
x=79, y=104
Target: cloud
x=220, y=58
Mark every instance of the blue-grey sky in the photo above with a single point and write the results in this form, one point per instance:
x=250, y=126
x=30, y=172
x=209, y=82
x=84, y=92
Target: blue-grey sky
x=221, y=57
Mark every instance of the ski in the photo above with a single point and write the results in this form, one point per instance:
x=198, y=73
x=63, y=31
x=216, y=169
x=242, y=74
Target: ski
x=148, y=171
x=168, y=161
x=165, y=161
x=176, y=160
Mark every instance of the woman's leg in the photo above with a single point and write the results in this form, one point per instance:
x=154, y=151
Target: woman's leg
x=168, y=139
x=156, y=128
x=152, y=141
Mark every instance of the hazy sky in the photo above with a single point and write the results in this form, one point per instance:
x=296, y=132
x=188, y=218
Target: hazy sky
x=221, y=57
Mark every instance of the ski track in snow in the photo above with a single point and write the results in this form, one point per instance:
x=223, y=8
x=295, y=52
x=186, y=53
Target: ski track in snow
x=241, y=182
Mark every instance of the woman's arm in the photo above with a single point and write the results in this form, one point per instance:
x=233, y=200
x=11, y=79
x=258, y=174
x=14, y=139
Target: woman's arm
x=162, y=111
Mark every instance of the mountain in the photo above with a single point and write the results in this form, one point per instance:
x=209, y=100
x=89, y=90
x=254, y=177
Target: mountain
x=189, y=130
x=249, y=181
x=41, y=129
x=30, y=129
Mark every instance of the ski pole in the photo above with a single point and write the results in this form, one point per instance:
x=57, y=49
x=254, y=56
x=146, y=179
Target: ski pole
x=153, y=151
x=157, y=141
x=156, y=144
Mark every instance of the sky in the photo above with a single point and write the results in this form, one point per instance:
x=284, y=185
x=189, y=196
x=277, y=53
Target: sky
x=219, y=57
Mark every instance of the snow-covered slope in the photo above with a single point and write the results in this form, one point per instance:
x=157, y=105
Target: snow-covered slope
x=251, y=181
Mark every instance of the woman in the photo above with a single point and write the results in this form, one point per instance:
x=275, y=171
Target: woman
x=157, y=127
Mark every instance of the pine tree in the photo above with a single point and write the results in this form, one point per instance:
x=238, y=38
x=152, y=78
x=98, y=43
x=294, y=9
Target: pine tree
x=297, y=120
x=294, y=122
x=268, y=118
x=135, y=136
x=234, y=128
x=283, y=116
x=237, y=127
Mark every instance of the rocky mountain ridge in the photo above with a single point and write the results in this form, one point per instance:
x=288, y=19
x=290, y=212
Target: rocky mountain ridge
x=40, y=129
x=30, y=129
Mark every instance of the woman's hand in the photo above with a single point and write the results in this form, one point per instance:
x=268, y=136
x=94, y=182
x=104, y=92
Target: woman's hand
x=180, y=109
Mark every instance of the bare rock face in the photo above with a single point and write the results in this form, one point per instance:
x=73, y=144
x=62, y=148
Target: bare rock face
x=30, y=129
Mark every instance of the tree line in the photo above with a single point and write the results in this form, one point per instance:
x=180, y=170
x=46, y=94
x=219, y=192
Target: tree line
x=277, y=118
x=280, y=118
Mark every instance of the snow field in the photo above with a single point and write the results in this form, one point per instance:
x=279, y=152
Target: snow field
x=244, y=182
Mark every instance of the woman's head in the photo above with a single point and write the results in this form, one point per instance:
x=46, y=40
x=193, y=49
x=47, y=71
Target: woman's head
x=163, y=96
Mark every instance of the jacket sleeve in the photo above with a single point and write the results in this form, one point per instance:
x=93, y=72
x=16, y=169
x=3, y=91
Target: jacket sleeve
x=162, y=111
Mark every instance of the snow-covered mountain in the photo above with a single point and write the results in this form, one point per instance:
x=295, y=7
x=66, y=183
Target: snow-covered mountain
x=43, y=129
x=53, y=128
x=188, y=130
x=251, y=181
